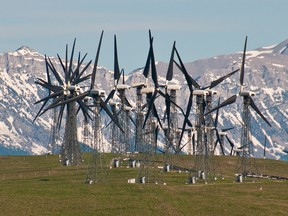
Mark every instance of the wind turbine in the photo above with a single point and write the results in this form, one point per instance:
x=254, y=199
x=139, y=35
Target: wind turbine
x=96, y=171
x=248, y=102
x=123, y=114
x=172, y=131
x=203, y=96
x=66, y=94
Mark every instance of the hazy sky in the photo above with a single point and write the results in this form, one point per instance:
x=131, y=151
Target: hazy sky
x=201, y=28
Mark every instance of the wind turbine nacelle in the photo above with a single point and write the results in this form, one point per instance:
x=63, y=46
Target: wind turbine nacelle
x=212, y=92
x=136, y=85
x=200, y=92
x=67, y=92
x=98, y=92
x=221, y=133
x=173, y=87
x=127, y=108
x=75, y=88
x=147, y=90
x=86, y=99
x=247, y=93
x=113, y=103
x=122, y=86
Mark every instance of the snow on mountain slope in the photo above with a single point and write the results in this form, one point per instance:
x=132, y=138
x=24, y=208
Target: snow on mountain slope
x=266, y=74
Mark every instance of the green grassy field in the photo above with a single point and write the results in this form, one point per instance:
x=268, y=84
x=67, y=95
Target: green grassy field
x=39, y=185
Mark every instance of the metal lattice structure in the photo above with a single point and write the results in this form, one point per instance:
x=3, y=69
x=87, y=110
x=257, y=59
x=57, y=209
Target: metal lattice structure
x=98, y=169
x=246, y=163
x=54, y=134
x=204, y=134
x=66, y=94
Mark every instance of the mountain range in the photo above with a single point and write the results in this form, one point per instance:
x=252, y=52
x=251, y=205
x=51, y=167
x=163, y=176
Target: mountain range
x=266, y=73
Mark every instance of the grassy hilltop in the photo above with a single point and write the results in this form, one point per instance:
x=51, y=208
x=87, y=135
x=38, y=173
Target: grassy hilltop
x=39, y=185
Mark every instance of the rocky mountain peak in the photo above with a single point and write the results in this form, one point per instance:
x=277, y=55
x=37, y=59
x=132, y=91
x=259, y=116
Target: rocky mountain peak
x=25, y=51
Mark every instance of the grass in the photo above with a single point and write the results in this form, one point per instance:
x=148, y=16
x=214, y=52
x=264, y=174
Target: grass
x=39, y=185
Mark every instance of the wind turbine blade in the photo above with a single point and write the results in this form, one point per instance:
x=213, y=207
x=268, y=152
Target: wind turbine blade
x=187, y=76
x=253, y=105
x=48, y=86
x=218, y=81
x=54, y=71
x=241, y=147
x=111, y=95
x=185, y=145
x=71, y=60
x=70, y=100
x=182, y=68
x=56, y=100
x=59, y=121
x=150, y=106
x=76, y=73
x=169, y=74
x=230, y=142
x=116, y=62
x=96, y=62
x=84, y=78
x=38, y=113
x=156, y=115
x=84, y=110
x=123, y=77
x=104, y=106
x=217, y=140
x=127, y=102
x=168, y=98
x=53, y=95
x=153, y=67
x=220, y=142
x=227, y=129
x=78, y=77
x=132, y=120
x=66, y=63
x=47, y=73
x=230, y=100
x=147, y=64
x=79, y=63
x=243, y=63
x=217, y=113
x=188, y=109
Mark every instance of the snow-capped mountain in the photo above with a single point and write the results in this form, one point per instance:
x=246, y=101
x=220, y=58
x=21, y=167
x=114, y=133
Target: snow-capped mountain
x=266, y=73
